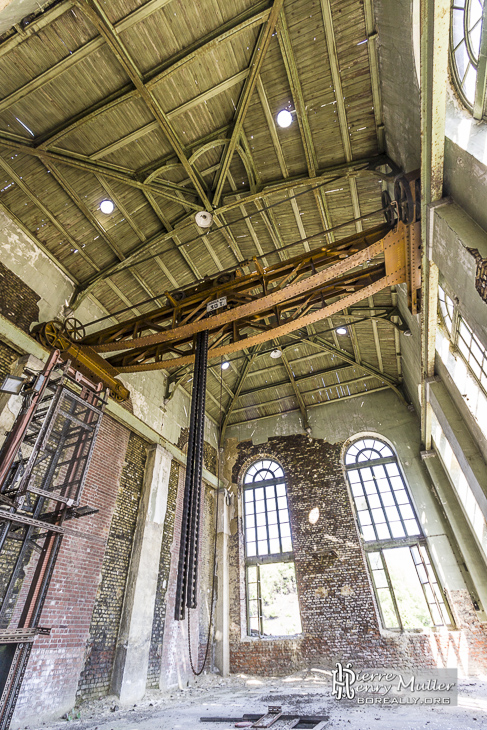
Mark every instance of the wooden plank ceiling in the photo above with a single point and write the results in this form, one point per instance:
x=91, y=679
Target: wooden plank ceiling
x=168, y=107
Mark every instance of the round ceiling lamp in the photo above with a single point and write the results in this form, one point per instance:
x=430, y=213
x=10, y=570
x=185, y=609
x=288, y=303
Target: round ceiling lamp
x=107, y=206
x=203, y=219
x=284, y=118
x=276, y=354
x=341, y=330
x=225, y=365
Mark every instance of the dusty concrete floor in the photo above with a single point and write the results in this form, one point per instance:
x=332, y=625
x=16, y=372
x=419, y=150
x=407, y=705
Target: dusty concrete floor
x=306, y=692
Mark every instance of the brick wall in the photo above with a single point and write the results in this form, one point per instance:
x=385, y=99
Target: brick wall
x=57, y=660
x=337, y=605
x=18, y=303
x=96, y=676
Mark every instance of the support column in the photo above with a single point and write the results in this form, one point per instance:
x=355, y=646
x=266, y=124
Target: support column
x=10, y=404
x=133, y=644
x=222, y=617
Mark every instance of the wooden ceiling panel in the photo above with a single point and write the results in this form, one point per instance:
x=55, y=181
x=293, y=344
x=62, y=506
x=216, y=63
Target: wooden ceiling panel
x=141, y=121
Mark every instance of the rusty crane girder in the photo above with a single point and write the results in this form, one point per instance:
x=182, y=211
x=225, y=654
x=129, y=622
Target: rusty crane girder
x=249, y=305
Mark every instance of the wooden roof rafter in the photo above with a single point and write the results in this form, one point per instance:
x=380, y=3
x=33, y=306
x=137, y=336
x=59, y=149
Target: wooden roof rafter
x=302, y=116
x=163, y=188
x=97, y=16
x=257, y=60
x=245, y=20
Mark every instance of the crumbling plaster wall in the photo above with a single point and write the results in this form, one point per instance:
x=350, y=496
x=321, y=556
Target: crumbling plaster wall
x=25, y=259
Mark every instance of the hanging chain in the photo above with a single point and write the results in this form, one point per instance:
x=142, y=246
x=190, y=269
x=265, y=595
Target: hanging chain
x=210, y=621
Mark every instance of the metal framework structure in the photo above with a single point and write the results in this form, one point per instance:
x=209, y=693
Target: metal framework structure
x=251, y=305
x=171, y=131
x=43, y=465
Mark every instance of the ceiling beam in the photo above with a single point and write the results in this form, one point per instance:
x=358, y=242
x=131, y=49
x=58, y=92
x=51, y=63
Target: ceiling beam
x=302, y=115
x=83, y=208
x=137, y=230
x=238, y=387
x=376, y=335
x=93, y=10
x=372, y=39
x=394, y=384
x=397, y=341
x=163, y=188
x=266, y=215
x=316, y=373
x=54, y=220
x=297, y=393
x=335, y=171
x=279, y=154
x=352, y=381
x=353, y=337
x=315, y=405
x=159, y=239
x=258, y=56
x=340, y=102
x=245, y=20
x=71, y=277
x=79, y=54
x=195, y=101
x=44, y=19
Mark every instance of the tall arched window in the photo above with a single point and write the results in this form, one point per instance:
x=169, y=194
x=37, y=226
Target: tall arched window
x=468, y=48
x=405, y=582
x=272, y=599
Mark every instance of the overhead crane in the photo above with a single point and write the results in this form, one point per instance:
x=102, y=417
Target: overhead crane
x=252, y=304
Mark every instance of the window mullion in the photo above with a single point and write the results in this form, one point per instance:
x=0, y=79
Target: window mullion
x=479, y=103
x=455, y=328
x=259, y=604
x=368, y=505
x=278, y=520
x=391, y=590
x=403, y=524
x=423, y=584
x=266, y=522
x=382, y=501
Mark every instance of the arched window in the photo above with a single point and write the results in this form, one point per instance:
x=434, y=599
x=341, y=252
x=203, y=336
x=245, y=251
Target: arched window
x=267, y=529
x=405, y=582
x=467, y=45
x=272, y=599
x=382, y=502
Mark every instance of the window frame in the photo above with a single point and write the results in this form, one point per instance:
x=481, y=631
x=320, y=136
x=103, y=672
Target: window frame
x=256, y=561
x=477, y=106
x=455, y=335
x=379, y=545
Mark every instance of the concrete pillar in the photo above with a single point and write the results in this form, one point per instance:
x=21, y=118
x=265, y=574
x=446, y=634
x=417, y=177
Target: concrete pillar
x=133, y=644
x=222, y=608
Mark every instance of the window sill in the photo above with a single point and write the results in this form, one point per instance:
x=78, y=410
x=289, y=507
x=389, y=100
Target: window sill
x=251, y=639
x=394, y=633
